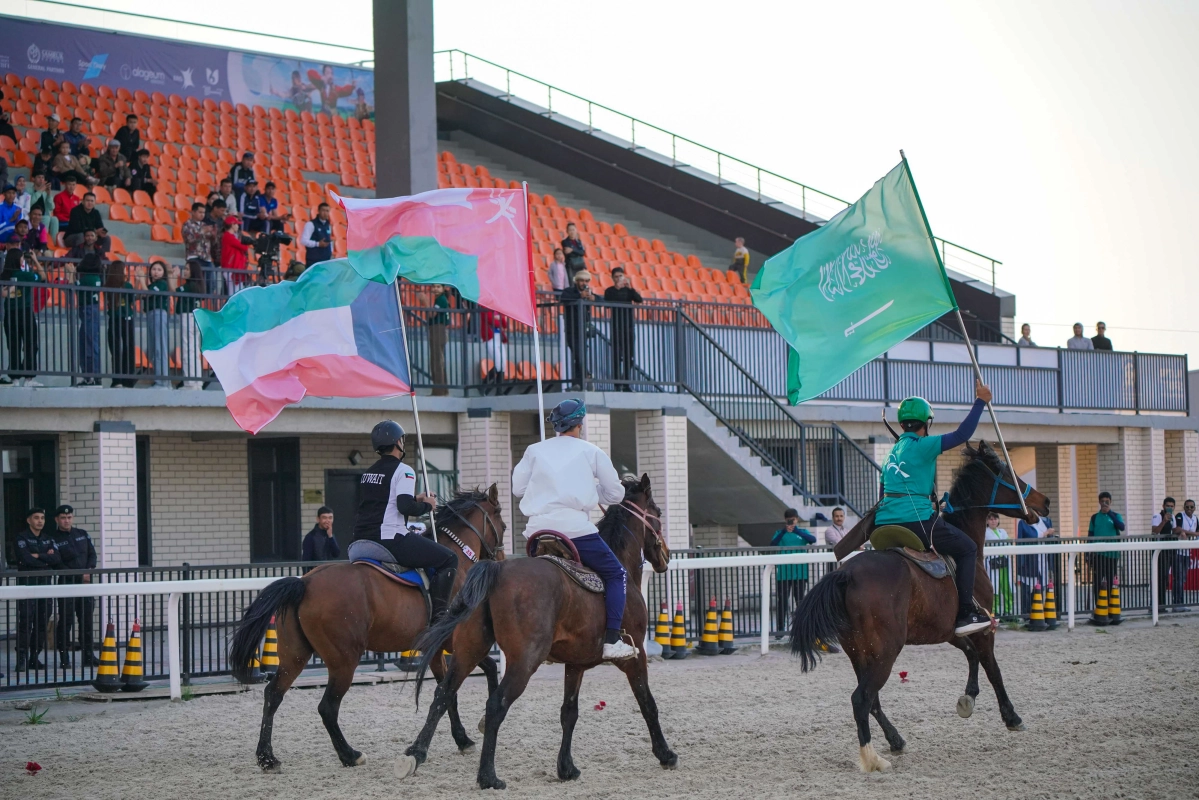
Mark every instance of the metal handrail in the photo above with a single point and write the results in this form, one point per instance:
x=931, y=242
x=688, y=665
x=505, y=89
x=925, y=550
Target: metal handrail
x=727, y=169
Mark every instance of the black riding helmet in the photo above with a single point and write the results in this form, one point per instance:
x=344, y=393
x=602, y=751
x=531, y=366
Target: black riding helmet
x=387, y=434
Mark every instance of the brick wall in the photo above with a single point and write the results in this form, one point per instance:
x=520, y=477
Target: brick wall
x=662, y=452
x=1182, y=465
x=1055, y=479
x=319, y=453
x=524, y=432
x=715, y=536
x=485, y=457
x=1133, y=470
x=199, y=500
x=1086, y=479
x=97, y=468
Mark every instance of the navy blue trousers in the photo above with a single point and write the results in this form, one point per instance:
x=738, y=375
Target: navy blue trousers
x=595, y=554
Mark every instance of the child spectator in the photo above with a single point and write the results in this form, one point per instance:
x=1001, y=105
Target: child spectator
x=79, y=141
x=572, y=248
x=129, y=138
x=10, y=212
x=42, y=163
x=249, y=208
x=23, y=199
x=65, y=202
x=234, y=254
x=558, y=278
x=67, y=165
x=243, y=172
x=141, y=174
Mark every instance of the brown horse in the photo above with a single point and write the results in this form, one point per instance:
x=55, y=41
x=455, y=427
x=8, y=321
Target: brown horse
x=536, y=612
x=342, y=610
x=880, y=601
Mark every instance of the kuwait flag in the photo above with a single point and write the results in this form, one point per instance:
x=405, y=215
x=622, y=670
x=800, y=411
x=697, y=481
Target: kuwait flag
x=332, y=333
x=476, y=240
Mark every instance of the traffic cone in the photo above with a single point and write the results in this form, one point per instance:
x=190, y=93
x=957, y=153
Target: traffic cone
x=132, y=679
x=1050, y=607
x=408, y=660
x=107, y=678
x=726, y=629
x=1113, y=602
x=662, y=631
x=270, y=649
x=1036, y=618
x=1100, y=616
x=678, y=635
x=709, y=640
x=255, y=670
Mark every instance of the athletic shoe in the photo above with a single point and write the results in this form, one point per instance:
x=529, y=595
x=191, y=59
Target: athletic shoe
x=619, y=651
x=5, y=380
x=970, y=623
x=1180, y=609
x=30, y=383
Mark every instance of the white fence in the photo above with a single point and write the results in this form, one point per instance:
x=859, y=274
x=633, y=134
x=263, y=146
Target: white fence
x=174, y=590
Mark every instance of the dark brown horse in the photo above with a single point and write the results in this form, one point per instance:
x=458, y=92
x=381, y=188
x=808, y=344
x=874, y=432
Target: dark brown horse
x=536, y=612
x=880, y=601
x=339, y=611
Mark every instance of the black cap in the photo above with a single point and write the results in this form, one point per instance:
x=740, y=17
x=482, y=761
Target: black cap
x=253, y=181
x=64, y=509
x=34, y=510
x=246, y=155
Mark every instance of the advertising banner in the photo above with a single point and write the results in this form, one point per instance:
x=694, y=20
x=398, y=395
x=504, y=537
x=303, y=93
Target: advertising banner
x=119, y=60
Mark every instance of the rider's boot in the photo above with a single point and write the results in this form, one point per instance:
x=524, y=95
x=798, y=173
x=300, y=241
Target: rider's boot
x=970, y=621
x=440, y=587
x=615, y=649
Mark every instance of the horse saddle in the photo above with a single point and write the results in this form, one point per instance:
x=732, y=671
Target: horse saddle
x=561, y=551
x=899, y=539
x=373, y=554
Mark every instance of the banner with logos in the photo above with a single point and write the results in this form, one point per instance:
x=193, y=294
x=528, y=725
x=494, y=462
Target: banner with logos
x=120, y=60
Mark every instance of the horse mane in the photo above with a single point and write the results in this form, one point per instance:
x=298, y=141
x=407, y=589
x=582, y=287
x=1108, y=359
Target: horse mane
x=612, y=528
x=975, y=478
x=460, y=504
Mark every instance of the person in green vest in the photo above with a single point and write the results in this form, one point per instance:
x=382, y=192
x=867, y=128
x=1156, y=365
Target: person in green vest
x=1000, y=569
x=1110, y=524
x=20, y=320
x=189, y=300
x=791, y=580
x=908, y=482
x=120, y=334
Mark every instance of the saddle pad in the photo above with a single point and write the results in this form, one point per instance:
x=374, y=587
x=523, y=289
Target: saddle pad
x=887, y=537
x=579, y=574
x=931, y=563
x=399, y=574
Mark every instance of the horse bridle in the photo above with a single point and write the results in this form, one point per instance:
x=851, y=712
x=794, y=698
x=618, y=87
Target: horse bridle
x=644, y=515
x=949, y=508
x=467, y=550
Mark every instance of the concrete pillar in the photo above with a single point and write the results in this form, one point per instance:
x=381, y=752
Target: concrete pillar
x=597, y=429
x=523, y=432
x=101, y=483
x=1133, y=470
x=1182, y=465
x=662, y=453
x=405, y=104
x=1056, y=480
x=485, y=457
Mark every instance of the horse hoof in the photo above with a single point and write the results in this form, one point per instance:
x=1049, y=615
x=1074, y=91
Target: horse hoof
x=670, y=762
x=470, y=748
x=483, y=724
x=871, y=761
x=899, y=747
x=492, y=783
x=405, y=766
x=360, y=760
x=965, y=706
x=1019, y=726
x=570, y=774
x=272, y=767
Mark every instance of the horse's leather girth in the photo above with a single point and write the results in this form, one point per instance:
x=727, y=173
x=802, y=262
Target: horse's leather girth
x=930, y=562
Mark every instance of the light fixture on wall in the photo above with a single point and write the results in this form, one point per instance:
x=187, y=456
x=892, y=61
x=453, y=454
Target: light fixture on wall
x=355, y=457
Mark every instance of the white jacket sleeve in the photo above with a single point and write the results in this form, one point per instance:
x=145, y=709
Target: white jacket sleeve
x=609, y=487
x=521, y=475
x=306, y=235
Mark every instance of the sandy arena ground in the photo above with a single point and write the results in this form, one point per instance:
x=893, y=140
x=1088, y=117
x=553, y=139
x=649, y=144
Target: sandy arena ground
x=1109, y=714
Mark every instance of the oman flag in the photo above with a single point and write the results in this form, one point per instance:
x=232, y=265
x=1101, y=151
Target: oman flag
x=476, y=240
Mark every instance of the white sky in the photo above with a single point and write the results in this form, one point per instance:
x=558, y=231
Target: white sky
x=1056, y=137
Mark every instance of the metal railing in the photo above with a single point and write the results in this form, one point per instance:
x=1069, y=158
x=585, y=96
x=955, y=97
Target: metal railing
x=187, y=614
x=768, y=188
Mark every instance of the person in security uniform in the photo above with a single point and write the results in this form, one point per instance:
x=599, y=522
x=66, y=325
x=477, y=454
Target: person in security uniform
x=77, y=551
x=559, y=482
x=36, y=556
x=908, y=483
x=388, y=499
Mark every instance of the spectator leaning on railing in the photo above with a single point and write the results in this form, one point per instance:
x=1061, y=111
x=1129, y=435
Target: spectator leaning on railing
x=198, y=239
x=1026, y=336
x=20, y=324
x=189, y=333
x=1171, y=563
x=1078, y=341
x=89, y=274
x=161, y=281
x=1106, y=523
x=1100, y=341
x=120, y=308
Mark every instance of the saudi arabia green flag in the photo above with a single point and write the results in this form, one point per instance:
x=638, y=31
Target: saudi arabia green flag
x=845, y=294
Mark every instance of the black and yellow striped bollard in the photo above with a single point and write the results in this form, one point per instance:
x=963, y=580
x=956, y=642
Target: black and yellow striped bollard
x=662, y=631
x=107, y=677
x=132, y=674
x=270, y=649
x=1100, y=615
x=1113, y=603
x=678, y=635
x=709, y=640
x=726, y=629
x=1036, y=617
x=1050, y=607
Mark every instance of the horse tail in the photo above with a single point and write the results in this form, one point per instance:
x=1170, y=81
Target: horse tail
x=821, y=618
x=474, y=592
x=276, y=598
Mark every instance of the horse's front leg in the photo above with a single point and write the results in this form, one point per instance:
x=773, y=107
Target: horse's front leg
x=985, y=644
x=464, y=742
x=966, y=701
x=638, y=674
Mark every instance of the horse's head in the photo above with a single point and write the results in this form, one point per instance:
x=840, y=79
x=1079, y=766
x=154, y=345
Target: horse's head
x=477, y=514
x=653, y=544
x=985, y=481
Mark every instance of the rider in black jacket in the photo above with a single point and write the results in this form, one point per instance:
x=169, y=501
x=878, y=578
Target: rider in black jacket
x=36, y=554
x=388, y=500
x=77, y=551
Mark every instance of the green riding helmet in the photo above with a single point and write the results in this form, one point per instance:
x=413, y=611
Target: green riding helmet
x=915, y=409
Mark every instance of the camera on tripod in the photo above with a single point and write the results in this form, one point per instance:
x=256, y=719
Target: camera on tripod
x=267, y=245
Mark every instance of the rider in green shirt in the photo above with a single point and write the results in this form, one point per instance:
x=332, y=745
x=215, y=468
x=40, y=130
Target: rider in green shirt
x=908, y=484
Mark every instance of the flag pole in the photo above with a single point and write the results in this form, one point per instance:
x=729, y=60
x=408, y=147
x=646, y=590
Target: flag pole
x=978, y=373
x=533, y=293
x=420, y=442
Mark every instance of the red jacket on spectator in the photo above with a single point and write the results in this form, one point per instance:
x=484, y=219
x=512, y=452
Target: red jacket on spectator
x=64, y=204
x=233, y=252
x=489, y=322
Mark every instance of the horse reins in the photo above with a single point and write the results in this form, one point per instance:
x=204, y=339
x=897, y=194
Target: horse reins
x=466, y=549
